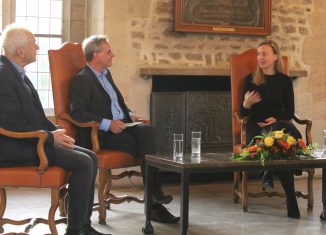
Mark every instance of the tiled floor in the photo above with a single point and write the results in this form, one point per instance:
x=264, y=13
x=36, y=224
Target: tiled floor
x=212, y=211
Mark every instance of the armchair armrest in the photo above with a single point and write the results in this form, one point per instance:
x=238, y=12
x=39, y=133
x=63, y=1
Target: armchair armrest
x=242, y=121
x=308, y=124
x=94, y=125
x=40, y=135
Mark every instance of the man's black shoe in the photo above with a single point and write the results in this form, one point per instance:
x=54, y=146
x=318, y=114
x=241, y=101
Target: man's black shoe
x=162, y=199
x=77, y=232
x=92, y=231
x=292, y=207
x=162, y=215
x=88, y=230
x=294, y=215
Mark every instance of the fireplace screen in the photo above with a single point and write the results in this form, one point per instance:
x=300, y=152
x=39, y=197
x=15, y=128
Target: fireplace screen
x=183, y=112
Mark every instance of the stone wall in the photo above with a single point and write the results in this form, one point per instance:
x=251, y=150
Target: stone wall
x=141, y=34
x=158, y=44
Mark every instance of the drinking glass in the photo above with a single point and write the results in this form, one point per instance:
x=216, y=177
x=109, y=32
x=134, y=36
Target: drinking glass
x=177, y=146
x=195, y=143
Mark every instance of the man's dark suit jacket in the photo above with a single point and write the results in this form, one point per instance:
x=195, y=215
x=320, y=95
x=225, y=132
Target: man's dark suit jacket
x=90, y=102
x=21, y=110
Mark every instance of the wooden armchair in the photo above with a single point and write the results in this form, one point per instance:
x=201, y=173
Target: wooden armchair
x=241, y=66
x=64, y=64
x=42, y=176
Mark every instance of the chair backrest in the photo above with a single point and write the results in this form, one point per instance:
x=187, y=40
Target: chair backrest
x=242, y=65
x=65, y=62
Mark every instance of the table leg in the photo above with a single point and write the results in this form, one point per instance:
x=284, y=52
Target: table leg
x=184, y=209
x=149, y=175
x=323, y=195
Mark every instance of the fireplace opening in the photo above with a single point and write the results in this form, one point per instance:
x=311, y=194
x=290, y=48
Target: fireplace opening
x=182, y=83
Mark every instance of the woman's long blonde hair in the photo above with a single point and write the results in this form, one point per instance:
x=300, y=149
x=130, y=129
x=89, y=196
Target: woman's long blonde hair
x=258, y=75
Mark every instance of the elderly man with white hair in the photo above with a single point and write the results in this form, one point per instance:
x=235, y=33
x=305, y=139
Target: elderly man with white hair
x=21, y=110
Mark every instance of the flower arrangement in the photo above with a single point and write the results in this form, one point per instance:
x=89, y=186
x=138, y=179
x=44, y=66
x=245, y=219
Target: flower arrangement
x=275, y=145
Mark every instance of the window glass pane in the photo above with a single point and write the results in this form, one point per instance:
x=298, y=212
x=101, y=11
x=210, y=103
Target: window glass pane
x=44, y=26
x=51, y=105
x=44, y=44
x=44, y=8
x=33, y=77
x=43, y=63
x=56, y=25
x=32, y=7
x=31, y=67
x=44, y=81
x=20, y=19
x=32, y=23
x=55, y=43
x=20, y=8
x=56, y=9
x=44, y=97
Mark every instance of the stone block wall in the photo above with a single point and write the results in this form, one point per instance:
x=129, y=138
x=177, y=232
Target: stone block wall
x=158, y=44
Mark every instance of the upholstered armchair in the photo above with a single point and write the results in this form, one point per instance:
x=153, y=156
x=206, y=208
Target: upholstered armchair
x=34, y=177
x=64, y=64
x=241, y=66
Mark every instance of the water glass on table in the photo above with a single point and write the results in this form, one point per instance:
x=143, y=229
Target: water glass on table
x=195, y=143
x=177, y=146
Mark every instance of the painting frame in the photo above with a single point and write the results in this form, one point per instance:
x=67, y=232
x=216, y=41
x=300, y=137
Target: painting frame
x=216, y=26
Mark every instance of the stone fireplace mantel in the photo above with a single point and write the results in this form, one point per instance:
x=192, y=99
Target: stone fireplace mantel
x=148, y=71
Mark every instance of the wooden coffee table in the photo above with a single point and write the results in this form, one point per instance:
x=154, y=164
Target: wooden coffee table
x=213, y=162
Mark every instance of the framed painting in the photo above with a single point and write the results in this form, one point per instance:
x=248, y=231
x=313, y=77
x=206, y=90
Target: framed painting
x=251, y=17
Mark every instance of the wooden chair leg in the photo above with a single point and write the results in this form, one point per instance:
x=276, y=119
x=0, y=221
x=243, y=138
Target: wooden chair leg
x=236, y=180
x=63, y=202
x=55, y=197
x=3, y=203
x=103, y=175
x=244, y=194
x=108, y=186
x=311, y=173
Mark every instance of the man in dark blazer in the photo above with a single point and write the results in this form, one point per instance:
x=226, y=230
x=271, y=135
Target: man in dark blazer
x=21, y=110
x=95, y=97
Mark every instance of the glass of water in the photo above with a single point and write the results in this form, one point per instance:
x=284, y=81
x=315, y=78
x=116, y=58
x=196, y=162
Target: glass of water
x=177, y=146
x=195, y=143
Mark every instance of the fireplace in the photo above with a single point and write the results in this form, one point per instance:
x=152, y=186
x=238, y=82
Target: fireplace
x=181, y=104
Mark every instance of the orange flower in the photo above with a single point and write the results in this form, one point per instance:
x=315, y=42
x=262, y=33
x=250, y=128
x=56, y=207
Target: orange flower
x=252, y=148
x=302, y=144
x=284, y=144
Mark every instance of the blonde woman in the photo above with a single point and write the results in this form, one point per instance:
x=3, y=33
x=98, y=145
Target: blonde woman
x=268, y=101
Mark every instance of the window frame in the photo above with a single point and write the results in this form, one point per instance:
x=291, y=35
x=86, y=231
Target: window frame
x=8, y=16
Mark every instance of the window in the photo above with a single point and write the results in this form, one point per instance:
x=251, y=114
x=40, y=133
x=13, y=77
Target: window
x=44, y=18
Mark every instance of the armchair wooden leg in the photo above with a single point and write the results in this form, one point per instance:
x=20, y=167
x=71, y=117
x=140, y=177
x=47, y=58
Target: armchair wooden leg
x=311, y=173
x=236, y=180
x=63, y=203
x=54, y=205
x=244, y=195
x=103, y=176
x=107, y=191
x=3, y=202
